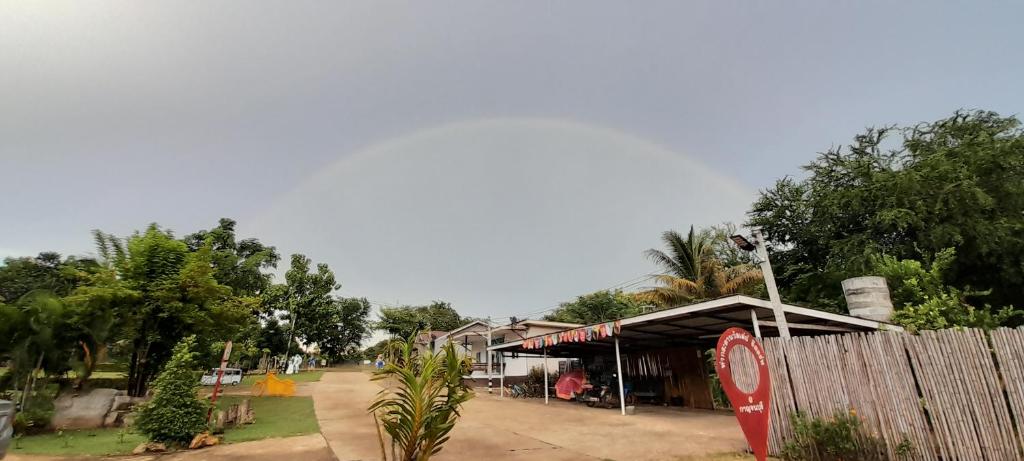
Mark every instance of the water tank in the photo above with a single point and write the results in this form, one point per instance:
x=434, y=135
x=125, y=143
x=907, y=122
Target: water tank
x=868, y=298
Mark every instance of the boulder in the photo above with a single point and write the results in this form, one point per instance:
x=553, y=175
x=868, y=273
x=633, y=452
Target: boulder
x=203, y=440
x=149, y=447
x=85, y=410
x=122, y=402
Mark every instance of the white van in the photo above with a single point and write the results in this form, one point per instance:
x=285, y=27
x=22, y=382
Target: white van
x=232, y=376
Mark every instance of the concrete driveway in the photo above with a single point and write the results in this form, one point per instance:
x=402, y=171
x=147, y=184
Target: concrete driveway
x=512, y=429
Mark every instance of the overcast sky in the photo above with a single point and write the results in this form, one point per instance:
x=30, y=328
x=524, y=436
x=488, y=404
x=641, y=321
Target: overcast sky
x=504, y=156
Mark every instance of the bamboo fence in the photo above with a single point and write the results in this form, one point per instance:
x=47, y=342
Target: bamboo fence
x=945, y=394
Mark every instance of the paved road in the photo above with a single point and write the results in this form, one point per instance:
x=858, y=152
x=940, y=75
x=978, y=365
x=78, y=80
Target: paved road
x=496, y=429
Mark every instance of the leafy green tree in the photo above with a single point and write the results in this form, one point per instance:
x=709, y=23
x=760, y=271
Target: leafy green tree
x=303, y=298
x=405, y=321
x=924, y=302
x=160, y=292
x=237, y=264
x=910, y=193
x=37, y=335
x=400, y=322
x=340, y=327
x=272, y=337
x=597, y=307
x=175, y=414
x=693, y=270
x=19, y=276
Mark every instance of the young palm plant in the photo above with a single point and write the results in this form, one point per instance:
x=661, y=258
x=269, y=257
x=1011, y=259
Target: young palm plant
x=420, y=403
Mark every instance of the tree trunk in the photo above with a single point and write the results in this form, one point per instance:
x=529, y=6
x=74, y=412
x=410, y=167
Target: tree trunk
x=30, y=380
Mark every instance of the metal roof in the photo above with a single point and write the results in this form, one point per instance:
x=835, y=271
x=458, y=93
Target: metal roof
x=700, y=325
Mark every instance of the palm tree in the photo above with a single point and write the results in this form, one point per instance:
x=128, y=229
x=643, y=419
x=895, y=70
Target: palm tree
x=694, y=272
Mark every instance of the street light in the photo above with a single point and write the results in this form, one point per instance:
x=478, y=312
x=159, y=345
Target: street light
x=743, y=243
x=769, y=277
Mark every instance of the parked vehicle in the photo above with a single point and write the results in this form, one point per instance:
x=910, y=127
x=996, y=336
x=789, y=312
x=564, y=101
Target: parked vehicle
x=6, y=426
x=232, y=376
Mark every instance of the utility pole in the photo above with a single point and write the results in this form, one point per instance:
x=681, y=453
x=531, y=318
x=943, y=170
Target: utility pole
x=769, y=281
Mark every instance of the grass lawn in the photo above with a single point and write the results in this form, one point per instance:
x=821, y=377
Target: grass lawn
x=301, y=377
x=275, y=417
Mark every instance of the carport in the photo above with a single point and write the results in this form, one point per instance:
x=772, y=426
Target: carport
x=694, y=327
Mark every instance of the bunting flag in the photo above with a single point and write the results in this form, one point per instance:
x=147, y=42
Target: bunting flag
x=578, y=335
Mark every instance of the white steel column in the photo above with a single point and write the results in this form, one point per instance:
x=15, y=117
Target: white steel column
x=545, y=375
x=488, y=352
x=757, y=325
x=618, y=366
x=501, y=364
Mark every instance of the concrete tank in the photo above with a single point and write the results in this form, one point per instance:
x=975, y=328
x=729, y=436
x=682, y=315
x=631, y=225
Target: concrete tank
x=868, y=297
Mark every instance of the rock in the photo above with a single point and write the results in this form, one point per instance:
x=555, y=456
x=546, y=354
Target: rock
x=83, y=411
x=112, y=419
x=203, y=440
x=122, y=402
x=149, y=447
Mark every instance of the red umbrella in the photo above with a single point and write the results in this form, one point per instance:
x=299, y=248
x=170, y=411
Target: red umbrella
x=570, y=384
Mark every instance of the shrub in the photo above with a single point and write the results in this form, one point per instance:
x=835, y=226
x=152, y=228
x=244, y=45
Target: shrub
x=837, y=439
x=35, y=417
x=175, y=414
x=535, y=377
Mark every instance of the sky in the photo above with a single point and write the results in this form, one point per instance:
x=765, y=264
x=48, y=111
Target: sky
x=503, y=156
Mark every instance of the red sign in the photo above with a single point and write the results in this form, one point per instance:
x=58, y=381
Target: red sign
x=752, y=409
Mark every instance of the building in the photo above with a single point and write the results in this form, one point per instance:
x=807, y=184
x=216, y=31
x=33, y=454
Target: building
x=472, y=341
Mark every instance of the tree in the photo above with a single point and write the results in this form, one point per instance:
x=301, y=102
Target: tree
x=341, y=326
x=924, y=302
x=693, y=270
x=303, y=298
x=175, y=414
x=237, y=264
x=272, y=337
x=160, y=292
x=19, y=276
x=597, y=307
x=909, y=193
x=422, y=406
x=405, y=321
x=38, y=332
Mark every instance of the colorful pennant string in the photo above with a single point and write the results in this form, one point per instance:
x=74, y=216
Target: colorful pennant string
x=578, y=335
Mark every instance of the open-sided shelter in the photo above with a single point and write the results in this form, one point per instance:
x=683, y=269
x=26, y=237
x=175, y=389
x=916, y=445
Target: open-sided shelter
x=661, y=354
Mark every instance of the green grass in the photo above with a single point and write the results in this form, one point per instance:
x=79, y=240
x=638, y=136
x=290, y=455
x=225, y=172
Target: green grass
x=96, y=442
x=275, y=417
x=301, y=377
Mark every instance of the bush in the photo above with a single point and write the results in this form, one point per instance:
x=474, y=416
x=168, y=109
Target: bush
x=535, y=377
x=175, y=414
x=35, y=417
x=837, y=439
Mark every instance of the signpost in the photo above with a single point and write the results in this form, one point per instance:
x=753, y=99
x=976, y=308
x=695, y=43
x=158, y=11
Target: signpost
x=752, y=409
x=220, y=375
